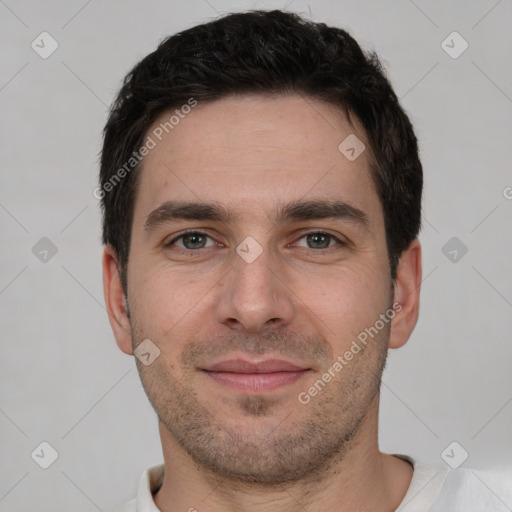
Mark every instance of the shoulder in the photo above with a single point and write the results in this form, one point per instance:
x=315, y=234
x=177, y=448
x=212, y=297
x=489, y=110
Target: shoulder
x=467, y=490
x=440, y=489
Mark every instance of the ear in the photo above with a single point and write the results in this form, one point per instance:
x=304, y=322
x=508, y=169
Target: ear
x=115, y=301
x=407, y=294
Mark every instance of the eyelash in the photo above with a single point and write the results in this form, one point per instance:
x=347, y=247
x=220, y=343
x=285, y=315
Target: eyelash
x=193, y=252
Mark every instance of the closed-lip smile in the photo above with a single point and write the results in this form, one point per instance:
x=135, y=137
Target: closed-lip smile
x=251, y=376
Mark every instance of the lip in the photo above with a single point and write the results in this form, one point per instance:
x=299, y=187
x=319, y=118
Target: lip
x=244, y=366
x=250, y=376
x=256, y=382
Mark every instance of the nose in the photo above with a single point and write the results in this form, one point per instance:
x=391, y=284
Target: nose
x=255, y=295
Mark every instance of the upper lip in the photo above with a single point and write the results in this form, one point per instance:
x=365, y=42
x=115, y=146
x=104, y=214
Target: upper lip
x=244, y=366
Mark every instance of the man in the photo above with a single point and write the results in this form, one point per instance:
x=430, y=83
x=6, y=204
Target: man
x=261, y=191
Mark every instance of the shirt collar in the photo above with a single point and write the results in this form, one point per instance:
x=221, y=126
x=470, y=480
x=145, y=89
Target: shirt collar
x=426, y=484
x=150, y=481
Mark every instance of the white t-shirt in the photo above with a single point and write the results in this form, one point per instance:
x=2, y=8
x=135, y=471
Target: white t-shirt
x=432, y=489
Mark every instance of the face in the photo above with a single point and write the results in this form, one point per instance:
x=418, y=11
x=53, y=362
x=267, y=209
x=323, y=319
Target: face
x=251, y=301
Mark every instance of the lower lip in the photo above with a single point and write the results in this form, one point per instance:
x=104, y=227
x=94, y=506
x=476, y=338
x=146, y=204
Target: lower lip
x=256, y=382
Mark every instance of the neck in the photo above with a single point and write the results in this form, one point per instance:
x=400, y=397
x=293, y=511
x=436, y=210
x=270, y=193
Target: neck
x=362, y=478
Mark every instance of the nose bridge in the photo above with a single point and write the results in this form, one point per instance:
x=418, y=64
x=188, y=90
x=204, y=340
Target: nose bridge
x=253, y=273
x=254, y=293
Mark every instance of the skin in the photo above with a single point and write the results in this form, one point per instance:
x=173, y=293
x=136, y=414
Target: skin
x=224, y=449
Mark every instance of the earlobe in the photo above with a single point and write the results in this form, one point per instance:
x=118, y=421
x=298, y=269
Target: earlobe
x=407, y=295
x=115, y=301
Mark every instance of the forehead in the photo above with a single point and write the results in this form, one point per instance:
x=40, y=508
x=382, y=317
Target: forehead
x=255, y=152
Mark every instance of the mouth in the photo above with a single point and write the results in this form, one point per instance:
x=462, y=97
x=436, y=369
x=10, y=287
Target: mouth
x=255, y=377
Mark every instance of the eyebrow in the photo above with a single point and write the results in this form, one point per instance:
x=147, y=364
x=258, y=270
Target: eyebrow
x=175, y=211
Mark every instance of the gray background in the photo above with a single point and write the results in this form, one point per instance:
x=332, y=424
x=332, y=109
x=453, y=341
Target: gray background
x=64, y=380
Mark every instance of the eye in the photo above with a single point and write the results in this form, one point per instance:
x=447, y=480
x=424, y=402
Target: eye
x=320, y=240
x=191, y=240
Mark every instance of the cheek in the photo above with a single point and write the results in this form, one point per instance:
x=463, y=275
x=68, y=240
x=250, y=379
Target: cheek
x=169, y=306
x=345, y=303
